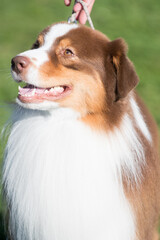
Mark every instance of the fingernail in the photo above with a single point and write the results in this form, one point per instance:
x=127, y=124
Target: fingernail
x=67, y=2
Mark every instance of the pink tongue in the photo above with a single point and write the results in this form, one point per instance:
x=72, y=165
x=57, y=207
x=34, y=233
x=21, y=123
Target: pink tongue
x=40, y=90
x=24, y=91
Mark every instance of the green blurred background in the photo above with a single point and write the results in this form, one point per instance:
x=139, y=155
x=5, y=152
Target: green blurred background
x=137, y=21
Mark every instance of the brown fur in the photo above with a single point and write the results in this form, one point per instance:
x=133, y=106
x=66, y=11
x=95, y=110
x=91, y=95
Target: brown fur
x=91, y=70
x=102, y=80
x=146, y=199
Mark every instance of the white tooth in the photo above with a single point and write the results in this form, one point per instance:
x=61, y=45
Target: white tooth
x=19, y=88
x=46, y=91
x=33, y=92
x=59, y=89
x=51, y=90
x=27, y=95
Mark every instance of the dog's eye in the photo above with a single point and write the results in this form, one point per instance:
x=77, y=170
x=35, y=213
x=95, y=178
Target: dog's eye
x=68, y=52
x=36, y=45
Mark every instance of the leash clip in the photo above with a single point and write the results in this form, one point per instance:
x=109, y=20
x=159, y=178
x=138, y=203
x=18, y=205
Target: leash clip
x=72, y=18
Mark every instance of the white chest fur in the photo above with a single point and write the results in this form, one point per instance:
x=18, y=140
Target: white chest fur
x=64, y=180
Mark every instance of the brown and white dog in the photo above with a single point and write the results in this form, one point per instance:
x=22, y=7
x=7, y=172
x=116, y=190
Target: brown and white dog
x=81, y=162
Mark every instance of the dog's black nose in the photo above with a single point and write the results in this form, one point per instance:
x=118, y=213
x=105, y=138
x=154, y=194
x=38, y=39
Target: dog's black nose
x=19, y=63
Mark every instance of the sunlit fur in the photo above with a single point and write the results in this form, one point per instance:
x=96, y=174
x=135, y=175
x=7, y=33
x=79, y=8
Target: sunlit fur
x=40, y=56
x=64, y=181
x=74, y=167
x=139, y=120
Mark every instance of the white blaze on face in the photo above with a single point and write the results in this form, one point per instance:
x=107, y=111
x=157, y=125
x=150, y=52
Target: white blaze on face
x=37, y=58
x=40, y=56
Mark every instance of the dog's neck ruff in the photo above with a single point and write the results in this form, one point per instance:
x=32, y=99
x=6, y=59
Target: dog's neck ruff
x=64, y=181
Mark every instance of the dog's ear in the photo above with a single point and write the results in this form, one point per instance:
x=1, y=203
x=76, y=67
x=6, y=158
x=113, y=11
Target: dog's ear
x=123, y=69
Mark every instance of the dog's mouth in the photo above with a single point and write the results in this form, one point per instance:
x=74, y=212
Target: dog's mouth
x=33, y=94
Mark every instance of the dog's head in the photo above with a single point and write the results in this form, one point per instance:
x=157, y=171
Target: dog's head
x=73, y=66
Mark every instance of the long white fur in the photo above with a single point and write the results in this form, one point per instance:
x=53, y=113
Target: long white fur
x=139, y=120
x=63, y=181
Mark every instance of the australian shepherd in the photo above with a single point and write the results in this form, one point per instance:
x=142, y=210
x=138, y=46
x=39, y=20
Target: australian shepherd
x=81, y=161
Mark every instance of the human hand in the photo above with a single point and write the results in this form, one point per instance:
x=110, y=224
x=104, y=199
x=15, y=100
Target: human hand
x=81, y=16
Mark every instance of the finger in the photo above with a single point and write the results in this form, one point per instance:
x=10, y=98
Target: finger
x=91, y=6
x=77, y=15
x=77, y=7
x=82, y=18
x=89, y=2
x=67, y=2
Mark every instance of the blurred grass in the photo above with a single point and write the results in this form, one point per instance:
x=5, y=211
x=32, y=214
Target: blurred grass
x=138, y=22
